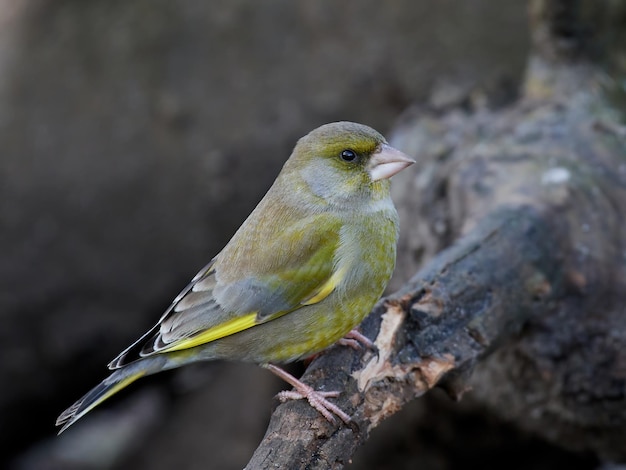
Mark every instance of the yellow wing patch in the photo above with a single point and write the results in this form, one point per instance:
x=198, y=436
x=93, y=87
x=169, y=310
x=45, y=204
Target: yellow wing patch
x=327, y=287
x=225, y=329
x=251, y=319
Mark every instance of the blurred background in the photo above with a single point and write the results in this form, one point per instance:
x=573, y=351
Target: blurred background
x=135, y=137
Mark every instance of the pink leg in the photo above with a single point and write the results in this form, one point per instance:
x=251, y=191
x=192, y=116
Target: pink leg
x=356, y=340
x=316, y=399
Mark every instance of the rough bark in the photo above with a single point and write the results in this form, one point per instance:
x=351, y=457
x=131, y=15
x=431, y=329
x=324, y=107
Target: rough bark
x=526, y=307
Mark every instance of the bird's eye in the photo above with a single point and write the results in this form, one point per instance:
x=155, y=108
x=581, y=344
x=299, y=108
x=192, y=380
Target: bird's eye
x=348, y=155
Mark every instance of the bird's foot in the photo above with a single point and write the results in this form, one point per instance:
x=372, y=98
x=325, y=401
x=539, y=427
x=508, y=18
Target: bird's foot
x=315, y=398
x=356, y=340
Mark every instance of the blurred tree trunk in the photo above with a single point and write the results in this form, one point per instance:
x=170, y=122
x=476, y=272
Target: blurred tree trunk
x=516, y=223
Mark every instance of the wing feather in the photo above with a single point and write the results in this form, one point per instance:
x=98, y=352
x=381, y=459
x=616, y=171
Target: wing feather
x=209, y=309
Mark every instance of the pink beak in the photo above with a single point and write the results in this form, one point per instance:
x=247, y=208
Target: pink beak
x=387, y=162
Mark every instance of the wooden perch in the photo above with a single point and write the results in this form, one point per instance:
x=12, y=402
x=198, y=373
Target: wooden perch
x=526, y=307
x=465, y=302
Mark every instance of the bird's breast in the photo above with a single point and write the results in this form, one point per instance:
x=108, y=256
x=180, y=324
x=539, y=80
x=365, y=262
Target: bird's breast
x=367, y=250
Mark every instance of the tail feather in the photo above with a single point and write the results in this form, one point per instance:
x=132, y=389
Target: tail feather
x=115, y=382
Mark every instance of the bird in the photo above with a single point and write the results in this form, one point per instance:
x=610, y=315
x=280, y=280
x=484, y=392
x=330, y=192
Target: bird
x=302, y=271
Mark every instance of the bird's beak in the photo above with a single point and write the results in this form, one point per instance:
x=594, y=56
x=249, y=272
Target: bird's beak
x=386, y=162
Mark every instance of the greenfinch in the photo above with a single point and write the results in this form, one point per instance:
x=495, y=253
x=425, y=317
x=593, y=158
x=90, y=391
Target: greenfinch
x=303, y=270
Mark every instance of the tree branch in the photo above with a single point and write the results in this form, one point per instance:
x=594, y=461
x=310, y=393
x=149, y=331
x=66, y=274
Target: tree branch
x=464, y=303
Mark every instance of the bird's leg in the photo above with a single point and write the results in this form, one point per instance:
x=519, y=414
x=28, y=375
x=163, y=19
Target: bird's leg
x=356, y=340
x=316, y=399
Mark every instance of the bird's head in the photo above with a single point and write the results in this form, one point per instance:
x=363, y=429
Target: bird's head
x=342, y=161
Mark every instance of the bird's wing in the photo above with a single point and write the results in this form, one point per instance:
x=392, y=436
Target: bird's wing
x=208, y=309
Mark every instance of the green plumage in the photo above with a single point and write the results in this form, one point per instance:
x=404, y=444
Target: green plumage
x=303, y=270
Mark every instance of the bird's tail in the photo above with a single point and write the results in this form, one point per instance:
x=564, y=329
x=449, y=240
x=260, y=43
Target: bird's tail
x=115, y=382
